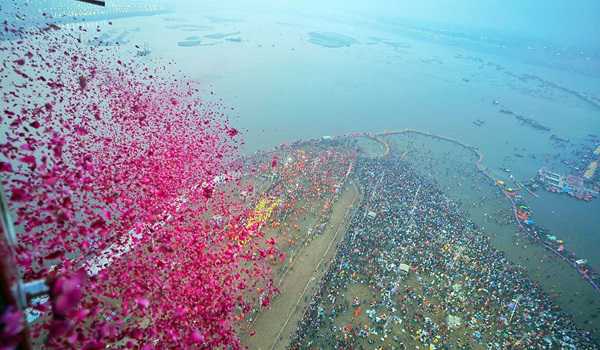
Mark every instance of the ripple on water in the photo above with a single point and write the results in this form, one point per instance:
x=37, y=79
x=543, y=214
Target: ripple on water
x=188, y=27
x=189, y=43
x=221, y=35
x=330, y=39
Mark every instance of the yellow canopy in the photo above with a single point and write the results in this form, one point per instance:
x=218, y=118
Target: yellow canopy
x=589, y=173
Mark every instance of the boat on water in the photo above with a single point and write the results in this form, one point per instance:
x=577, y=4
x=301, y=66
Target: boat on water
x=572, y=185
x=143, y=51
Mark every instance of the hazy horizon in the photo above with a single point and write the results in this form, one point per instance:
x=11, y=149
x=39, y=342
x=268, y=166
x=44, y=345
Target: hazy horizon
x=552, y=21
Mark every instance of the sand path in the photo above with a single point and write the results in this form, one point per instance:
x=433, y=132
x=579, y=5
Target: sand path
x=275, y=326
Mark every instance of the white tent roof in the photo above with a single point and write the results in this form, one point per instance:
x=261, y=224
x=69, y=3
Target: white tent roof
x=404, y=267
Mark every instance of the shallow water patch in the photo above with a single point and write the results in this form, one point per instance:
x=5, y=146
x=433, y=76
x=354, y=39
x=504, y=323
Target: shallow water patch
x=189, y=43
x=188, y=27
x=221, y=35
x=330, y=39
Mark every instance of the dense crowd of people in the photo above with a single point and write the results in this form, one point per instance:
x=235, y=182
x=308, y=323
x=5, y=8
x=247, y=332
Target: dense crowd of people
x=434, y=279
